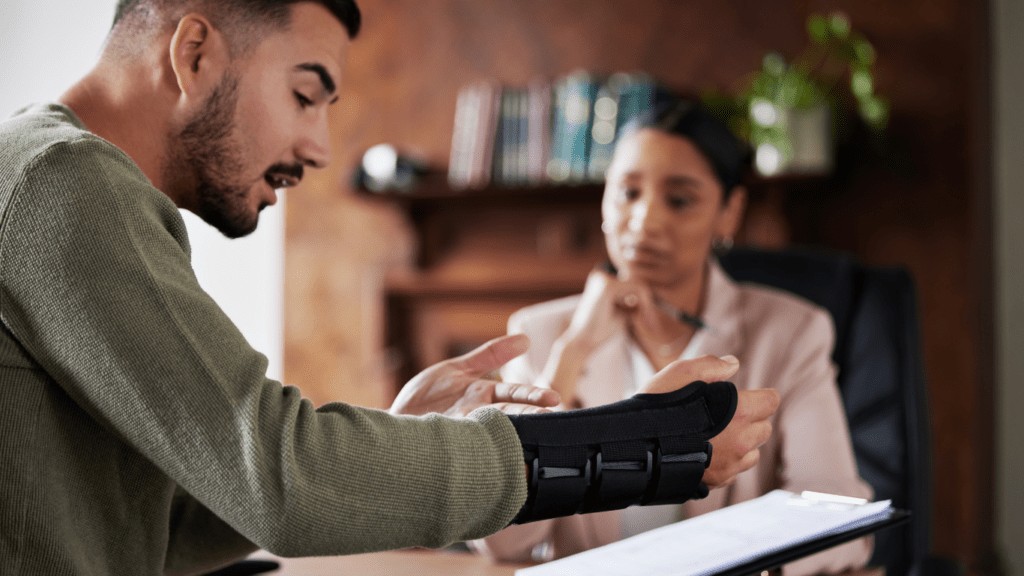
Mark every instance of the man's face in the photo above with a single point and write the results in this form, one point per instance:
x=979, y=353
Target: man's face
x=264, y=123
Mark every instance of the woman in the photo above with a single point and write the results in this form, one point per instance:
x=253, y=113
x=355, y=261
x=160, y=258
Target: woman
x=673, y=196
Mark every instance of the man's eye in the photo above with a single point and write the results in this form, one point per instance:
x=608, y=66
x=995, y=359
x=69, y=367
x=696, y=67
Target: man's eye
x=303, y=101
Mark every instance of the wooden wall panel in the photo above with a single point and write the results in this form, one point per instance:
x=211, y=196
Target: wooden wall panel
x=400, y=87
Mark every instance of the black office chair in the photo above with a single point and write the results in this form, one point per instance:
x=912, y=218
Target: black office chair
x=881, y=379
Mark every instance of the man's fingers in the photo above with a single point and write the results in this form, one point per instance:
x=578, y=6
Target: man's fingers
x=513, y=408
x=760, y=432
x=749, y=460
x=525, y=394
x=742, y=464
x=726, y=482
x=754, y=405
x=493, y=354
x=707, y=368
x=682, y=372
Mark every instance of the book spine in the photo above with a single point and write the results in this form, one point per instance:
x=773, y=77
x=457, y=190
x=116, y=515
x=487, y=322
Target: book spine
x=512, y=148
x=463, y=133
x=522, y=154
x=558, y=165
x=509, y=129
x=603, y=129
x=538, y=139
x=490, y=107
x=578, y=106
x=636, y=97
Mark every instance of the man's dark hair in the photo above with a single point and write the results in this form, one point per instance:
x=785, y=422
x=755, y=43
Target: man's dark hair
x=239, y=18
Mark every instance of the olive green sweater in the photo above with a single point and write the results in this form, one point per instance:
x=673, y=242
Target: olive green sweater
x=139, y=434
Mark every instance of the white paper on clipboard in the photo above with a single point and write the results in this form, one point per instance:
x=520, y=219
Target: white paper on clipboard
x=722, y=539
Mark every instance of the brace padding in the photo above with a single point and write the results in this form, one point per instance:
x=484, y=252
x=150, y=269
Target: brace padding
x=648, y=449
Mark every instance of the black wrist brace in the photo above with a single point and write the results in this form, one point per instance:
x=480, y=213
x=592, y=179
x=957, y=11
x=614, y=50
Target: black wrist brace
x=648, y=449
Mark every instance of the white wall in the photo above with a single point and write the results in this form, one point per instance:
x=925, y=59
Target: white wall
x=45, y=46
x=1008, y=133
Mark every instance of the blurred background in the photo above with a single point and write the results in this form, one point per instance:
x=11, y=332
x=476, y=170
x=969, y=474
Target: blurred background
x=348, y=291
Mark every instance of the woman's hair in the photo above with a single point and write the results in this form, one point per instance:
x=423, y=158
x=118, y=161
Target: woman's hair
x=729, y=156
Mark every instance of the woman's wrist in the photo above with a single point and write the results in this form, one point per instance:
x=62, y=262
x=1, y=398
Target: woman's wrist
x=565, y=367
x=574, y=346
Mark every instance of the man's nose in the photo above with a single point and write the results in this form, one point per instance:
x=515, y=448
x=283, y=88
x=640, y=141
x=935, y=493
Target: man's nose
x=314, y=149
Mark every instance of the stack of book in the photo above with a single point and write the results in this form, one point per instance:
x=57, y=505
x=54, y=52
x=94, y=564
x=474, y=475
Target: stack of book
x=560, y=132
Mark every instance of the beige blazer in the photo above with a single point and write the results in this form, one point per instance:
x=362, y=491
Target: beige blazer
x=782, y=342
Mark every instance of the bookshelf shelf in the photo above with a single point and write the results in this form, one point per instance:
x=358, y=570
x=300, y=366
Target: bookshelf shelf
x=433, y=189
x=439, y=213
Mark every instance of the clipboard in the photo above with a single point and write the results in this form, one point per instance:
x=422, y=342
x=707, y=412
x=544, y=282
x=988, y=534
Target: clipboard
x=897, y=517
x=740, y=540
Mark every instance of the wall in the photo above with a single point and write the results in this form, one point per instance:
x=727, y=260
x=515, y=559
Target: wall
x=1008, y=19
x=47, y=45
x=923, y=207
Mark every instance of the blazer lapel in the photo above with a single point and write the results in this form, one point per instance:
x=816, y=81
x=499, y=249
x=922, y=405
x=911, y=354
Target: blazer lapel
x=608, y=364
x=723, y=334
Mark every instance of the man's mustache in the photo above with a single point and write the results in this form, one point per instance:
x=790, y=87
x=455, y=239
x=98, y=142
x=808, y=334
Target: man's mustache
x=291, y=170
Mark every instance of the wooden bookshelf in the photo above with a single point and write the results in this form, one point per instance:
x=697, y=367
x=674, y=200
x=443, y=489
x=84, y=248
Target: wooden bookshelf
x=482, y=254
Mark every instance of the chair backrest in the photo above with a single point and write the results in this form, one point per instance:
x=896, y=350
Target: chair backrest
x=881, y=378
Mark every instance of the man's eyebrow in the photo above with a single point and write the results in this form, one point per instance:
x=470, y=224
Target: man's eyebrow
x=325, y=76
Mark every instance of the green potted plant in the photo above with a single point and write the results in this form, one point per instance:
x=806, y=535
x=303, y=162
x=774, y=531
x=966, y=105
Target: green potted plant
x=789, y=111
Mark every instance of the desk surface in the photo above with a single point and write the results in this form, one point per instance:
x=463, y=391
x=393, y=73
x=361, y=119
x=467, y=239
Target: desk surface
x=418, y=563
x=398, y=563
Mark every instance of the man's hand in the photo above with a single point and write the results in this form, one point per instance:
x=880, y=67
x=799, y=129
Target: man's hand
x=456, y=387
x=682, y=372
x=736, y=448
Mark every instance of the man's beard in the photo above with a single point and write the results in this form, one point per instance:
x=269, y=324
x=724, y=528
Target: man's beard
x=206, y=153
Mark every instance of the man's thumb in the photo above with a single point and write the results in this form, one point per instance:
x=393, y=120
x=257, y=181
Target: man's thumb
x=709, y=368
x=494, y=354
x=682, y=372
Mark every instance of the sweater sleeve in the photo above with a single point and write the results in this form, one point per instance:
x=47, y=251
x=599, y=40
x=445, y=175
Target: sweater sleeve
x=516, y=543
x=97, y=285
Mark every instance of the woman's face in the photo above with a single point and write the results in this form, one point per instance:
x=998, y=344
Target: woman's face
x=663, y=207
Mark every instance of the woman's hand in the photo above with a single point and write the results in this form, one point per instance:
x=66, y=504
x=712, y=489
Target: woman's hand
x=607, y=302
x=456, y=387
x=604, y=307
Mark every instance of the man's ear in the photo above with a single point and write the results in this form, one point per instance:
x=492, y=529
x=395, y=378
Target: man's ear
x=199, y=55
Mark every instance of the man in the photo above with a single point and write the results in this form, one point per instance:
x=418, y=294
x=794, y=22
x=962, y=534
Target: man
x=138, y=431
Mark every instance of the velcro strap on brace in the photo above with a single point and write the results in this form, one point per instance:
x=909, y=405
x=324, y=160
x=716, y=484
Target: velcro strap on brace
x=648, y=449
